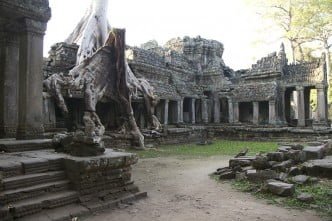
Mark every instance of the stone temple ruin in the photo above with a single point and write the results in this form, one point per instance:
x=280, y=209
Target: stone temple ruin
x=127, y=97
x=197, y=92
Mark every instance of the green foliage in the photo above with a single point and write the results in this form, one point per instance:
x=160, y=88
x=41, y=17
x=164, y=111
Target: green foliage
x=322, y=193
x=219, y=147
x=301, y=21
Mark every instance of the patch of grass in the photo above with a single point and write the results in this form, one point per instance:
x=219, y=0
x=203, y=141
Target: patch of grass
x=218, y=147
x=322, y=193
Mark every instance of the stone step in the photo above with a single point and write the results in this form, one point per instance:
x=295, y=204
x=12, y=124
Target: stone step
x=15, y=195
x=25, y=145
x=46, y=201
x=68, y=212
x=31, y=179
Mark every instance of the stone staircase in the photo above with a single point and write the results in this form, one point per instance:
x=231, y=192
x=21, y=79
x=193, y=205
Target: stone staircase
x=36, y=185
x=11, y=146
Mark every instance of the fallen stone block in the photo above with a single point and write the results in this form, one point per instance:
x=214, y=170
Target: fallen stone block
x=295, y=155
x=275, y=156
x=261, y=163
x=314, y=152
x=293, y=171
x=284, y=148
x=227, y=175
x=300, y=179
x=283, y=166
x=305, y=197
x=280, y=188
x=242, y=162
x=261, y=175
x=319, y=168
x=282, y=176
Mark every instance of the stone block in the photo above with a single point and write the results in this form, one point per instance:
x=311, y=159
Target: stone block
x=280, y=188
x=242, y=162
x=261, y=175
x=305, y=197
x=319, y=168
x=293, y=171
x=275, y=156
x=314, y=152
x=300, y=179
x=284, y=148
x=282, y=167
x=261, y=163
x=295, y=155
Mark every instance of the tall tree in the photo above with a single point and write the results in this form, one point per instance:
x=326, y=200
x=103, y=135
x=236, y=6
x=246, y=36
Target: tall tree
x=92, y=30
x=319, y=26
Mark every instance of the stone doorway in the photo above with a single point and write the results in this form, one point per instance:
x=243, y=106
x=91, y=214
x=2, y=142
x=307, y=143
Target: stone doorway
x=263, y=117
x=173, y=112
x=224, y=114
x=245, y=112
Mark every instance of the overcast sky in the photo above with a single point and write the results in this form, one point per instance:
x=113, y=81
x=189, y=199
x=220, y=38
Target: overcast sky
x=231, y=22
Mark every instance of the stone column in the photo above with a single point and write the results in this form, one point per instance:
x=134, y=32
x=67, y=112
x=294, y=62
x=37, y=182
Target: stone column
x=205, y=117
x=230, y=111
x=166, y=112
x=9, y=71
x=31, y=80
x=181, y=105
x=179, y=111
x=272, y=112
x=255, y=116
x=193, y=116
x=282, y=107
x=321, y=104
x=216, y=110
x=236, y=112
x=300, y=106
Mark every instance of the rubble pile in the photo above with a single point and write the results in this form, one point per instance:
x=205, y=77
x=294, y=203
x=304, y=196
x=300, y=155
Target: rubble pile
x=290, y=164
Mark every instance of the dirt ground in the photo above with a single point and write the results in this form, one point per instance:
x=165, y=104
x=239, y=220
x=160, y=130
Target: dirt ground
x=180, y=189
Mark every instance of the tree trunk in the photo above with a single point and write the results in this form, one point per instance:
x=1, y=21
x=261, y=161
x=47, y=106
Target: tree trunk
x=92, y=31
x=122, y=88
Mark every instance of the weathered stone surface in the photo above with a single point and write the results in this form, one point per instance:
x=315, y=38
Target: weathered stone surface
x=227, y=174
x=314, y=152
x=300, y=179
x=261, y=163
x=282, y=176
x=293, y=171
x=284, y=148
x=282, y=167
x=295, y=155
x=305, y=197
x=261, y=175
x=319, y=168
x=280, y=188
x=242, y=162
x=275, y=156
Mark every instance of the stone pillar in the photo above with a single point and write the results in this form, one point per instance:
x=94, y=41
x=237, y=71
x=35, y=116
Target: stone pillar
x=31, y=80
x=181, y=115
x=272, y=112
x=166, y=112
x=255, y=116
x=193, y=116
x=230, y=111
x=9, y=71
x=282, y=107
x=205, y=117
x=179, y=111
x=216, y=110
x=321, y=104
x=236, y=112
x=300, y=106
